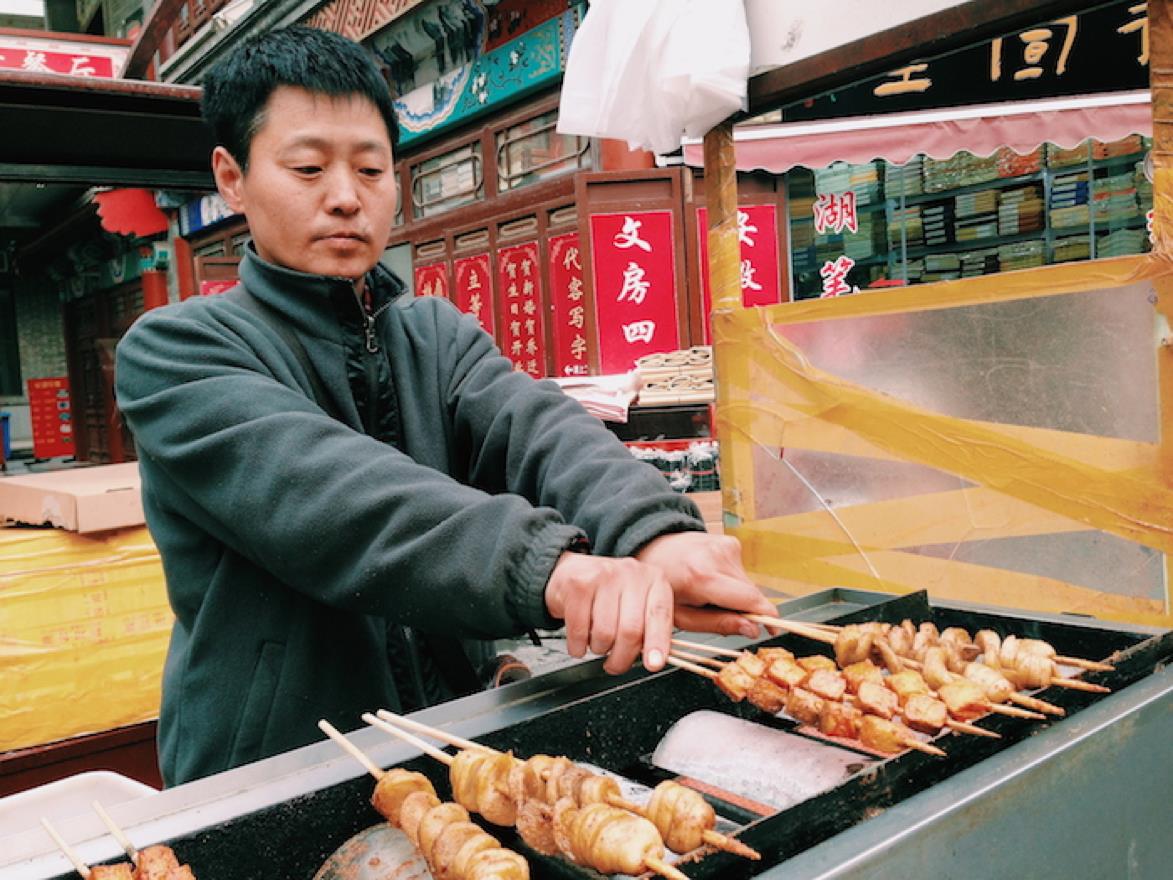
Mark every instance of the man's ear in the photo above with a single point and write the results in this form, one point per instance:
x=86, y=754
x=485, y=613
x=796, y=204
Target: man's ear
x=229, y=178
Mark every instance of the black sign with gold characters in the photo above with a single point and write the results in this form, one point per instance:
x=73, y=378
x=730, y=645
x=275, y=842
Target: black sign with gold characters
x=1103, y=49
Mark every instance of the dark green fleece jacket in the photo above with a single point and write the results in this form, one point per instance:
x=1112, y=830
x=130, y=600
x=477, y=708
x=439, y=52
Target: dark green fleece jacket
x=289, y=538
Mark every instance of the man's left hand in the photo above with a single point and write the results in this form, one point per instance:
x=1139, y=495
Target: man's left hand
x=706, y=570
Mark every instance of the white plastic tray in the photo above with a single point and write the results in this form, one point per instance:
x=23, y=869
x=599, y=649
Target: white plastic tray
x=61, y=800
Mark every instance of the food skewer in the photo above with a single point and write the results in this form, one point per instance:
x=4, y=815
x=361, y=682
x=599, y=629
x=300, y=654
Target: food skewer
x=951, y=722
x=454, y=847
x=805, y=628
x=571, y=834
x=831, y=716
x=156, y=862
x=708, y=835
x=826, y=637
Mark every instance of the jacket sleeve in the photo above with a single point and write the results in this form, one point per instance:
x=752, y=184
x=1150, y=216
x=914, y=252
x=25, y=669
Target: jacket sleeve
x=530, y=438
x=326, y=510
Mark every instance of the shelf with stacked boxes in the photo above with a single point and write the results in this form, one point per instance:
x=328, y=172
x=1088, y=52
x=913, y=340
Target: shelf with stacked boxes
x=968, y=215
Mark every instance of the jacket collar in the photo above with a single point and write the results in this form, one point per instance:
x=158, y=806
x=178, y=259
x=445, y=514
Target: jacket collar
x=318, y=305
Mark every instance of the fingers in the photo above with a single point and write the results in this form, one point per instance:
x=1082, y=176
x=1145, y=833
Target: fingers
x=657, y=624
x=726, y=623
x=605, y=615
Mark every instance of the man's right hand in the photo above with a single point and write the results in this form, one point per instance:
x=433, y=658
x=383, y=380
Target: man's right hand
x=618, y=607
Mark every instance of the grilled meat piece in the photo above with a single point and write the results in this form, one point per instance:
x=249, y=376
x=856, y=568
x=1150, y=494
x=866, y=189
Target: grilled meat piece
x=857, y=673
x=875, y=699
x=827, y=683
x=387, y=798
x=925, y=713
x=768, y=697
x=734, y=681
x=803, y=706
x=681, y=816
x=840, y=719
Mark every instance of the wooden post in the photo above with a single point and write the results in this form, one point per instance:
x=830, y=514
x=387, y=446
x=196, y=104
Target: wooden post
x=1160, y=36
x=729, y=364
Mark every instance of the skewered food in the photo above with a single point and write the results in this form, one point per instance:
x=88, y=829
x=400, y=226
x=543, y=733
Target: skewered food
x=925, y=713
x=608, y=839
x=767, y=696
x=804, y=706
x=735, y=681
x=840, y=719
x=681, y=816
x=121, y=871
x=876, y=699
x=827, y=683
x=393, y=787
x=883, y=735
x=786, y=673
x=852, y=644
x=480, y=783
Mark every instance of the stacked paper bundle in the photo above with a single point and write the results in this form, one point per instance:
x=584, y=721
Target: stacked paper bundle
x=1057, y=157
x=835, y=178
x=1144, y=189
x=1020, y=255
x=1072, y=247
x=906, y=226
x=979, y=262
x=1114, y=198
x=1069, y=201
x=976, y=215
x=869, y=241
x=941, y=267
x=906, y=179
x=1121, y=243
x=1123, y=147
x=1010, y=164
x=682, y=376
x=1021, y=210
x=937, y=219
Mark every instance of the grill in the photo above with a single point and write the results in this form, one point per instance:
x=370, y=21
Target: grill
x=1013, y=802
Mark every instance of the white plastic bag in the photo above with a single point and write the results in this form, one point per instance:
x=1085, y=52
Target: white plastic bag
x=653, y=71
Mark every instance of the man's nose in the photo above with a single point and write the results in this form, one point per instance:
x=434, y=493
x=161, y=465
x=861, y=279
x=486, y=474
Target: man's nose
x=342, y=192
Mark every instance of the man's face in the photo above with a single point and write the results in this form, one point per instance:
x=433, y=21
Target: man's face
x=319, y=193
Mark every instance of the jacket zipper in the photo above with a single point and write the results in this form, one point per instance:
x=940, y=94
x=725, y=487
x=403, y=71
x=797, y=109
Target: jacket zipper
x=370, y=365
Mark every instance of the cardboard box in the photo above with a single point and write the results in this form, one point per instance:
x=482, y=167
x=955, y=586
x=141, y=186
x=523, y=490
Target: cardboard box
x=88, y=499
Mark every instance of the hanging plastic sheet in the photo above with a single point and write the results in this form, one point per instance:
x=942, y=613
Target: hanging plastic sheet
x=654, y=71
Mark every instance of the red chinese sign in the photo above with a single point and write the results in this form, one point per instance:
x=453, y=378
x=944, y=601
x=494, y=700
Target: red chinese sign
x=43, y=61
x=474, y=288
x=519, y=279
x=432, y=280
x=211, y=288
x=51, y=413
x=761, y=281
x=634, y=261
x=566, y=291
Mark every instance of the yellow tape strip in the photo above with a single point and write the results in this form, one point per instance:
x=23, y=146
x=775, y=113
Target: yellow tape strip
x=943, y=578
x=1133, y=506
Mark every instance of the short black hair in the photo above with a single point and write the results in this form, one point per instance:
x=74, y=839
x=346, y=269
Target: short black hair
x=238, y=87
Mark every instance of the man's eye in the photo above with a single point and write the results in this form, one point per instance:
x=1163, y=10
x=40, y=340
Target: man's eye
x=307, y=169
x=371, y=172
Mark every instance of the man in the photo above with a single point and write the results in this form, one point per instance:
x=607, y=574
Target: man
x=322, y=456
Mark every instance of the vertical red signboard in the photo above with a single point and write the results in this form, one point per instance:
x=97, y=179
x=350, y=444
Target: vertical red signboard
x=633, y=256
x=474, y=288
x=52, y=417
x=519, y=279
x=432, y=280
x=570, y=337
x=761, y=279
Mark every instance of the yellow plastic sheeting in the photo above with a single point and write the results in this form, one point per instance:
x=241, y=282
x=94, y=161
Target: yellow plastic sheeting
x=84, y=625
x=1031, y=481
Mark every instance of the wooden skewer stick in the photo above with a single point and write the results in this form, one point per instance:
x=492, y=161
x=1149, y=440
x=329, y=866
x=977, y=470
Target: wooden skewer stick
x=691, y=667
x=1079, y=662
x=699, y=658
x=1077, y=684
x=116, y=832
x=350, y=748
x=712, y=649
x=711, y=837
x=1033, y=708
x=799, y=629
x=661, y=868
x=78, y=865
x=911, y=743
x=425, y=747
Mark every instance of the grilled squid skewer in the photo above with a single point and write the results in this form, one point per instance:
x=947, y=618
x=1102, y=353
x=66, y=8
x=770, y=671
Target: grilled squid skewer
x=684, y=818
x=454, y=847
x=617, y=849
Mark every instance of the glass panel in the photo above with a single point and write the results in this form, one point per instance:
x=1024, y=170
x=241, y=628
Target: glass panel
x=239, y=242
x=859, y=227
x=533, y=151
x=211, y=249
x=447, y=181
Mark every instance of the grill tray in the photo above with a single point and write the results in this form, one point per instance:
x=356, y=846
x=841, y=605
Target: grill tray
x=619, y=729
